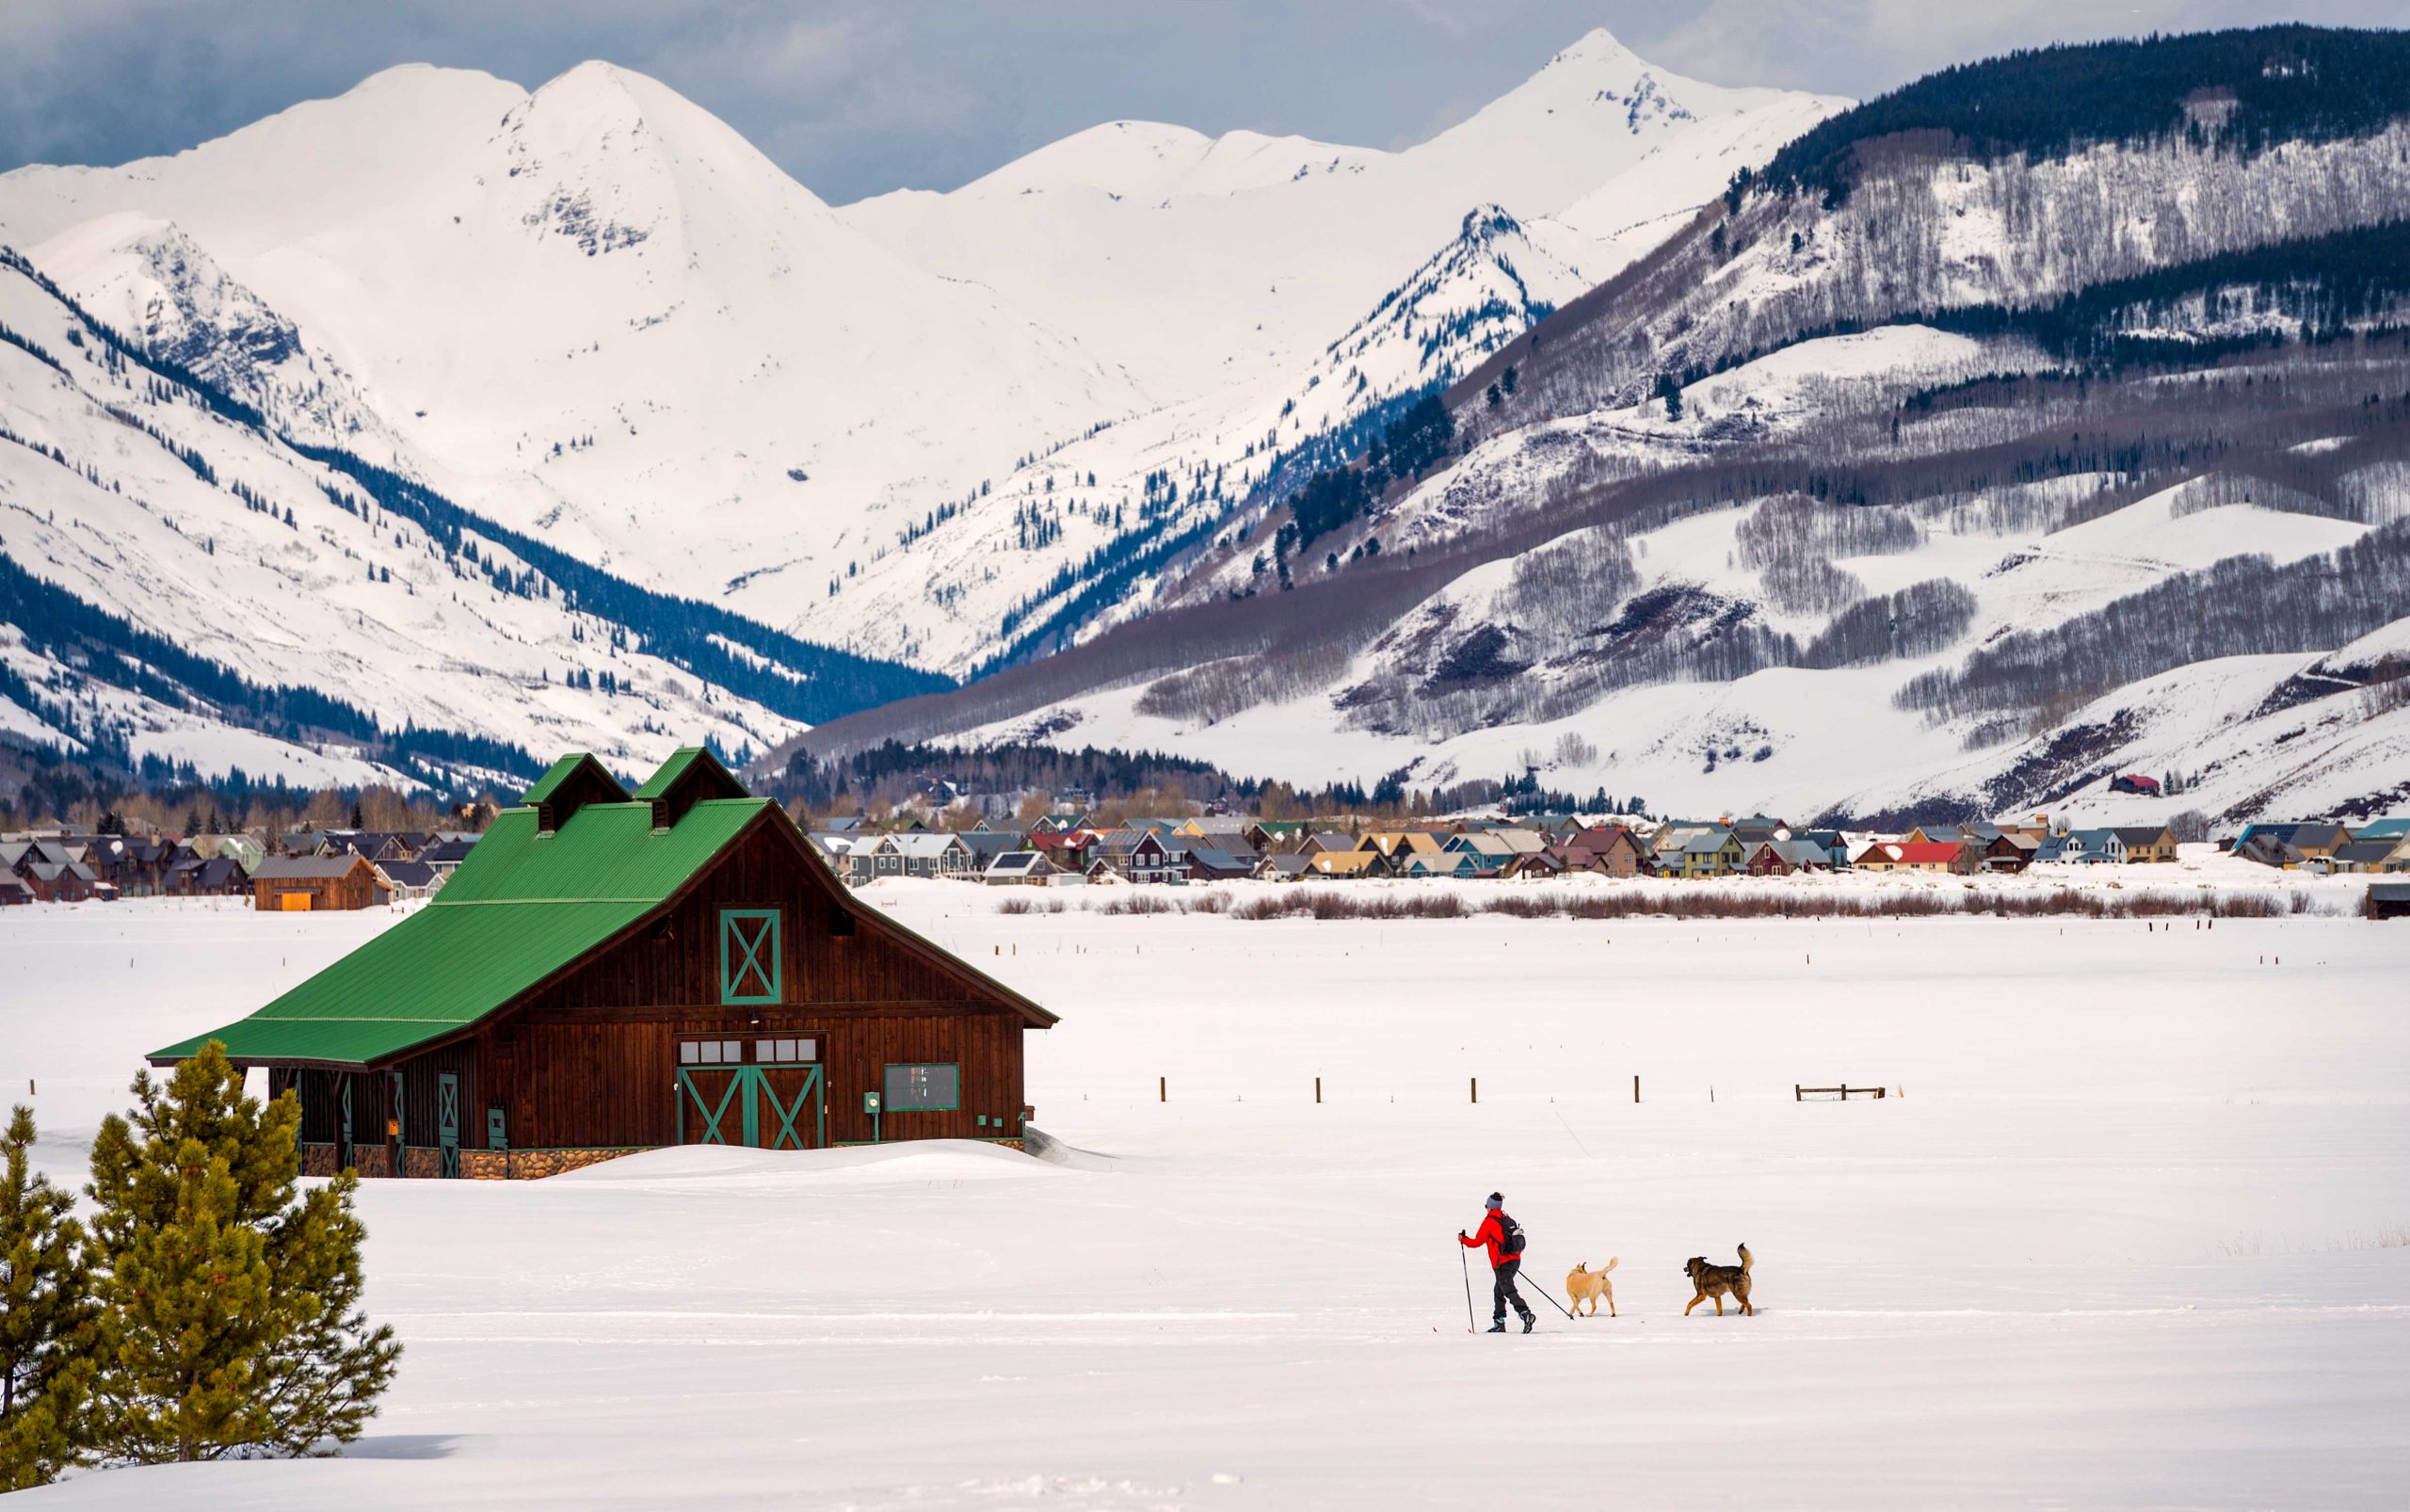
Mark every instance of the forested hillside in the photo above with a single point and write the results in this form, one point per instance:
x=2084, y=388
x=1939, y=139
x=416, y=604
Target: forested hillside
x=1951, y=460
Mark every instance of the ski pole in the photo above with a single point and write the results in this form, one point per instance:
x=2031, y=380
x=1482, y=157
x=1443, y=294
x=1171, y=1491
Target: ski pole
x=1554, y=1303
x=1466, y=1265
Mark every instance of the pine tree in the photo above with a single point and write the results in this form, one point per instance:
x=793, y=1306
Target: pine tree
x=232, y=1318
x=46, y=1319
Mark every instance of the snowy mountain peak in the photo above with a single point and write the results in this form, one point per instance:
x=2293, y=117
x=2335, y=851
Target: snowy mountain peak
x=1147, y=162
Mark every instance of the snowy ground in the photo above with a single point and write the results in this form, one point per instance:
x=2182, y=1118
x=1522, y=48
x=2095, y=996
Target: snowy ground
x=2134, y=1235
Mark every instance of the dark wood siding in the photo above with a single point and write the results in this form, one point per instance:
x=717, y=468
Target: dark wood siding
x=591, y=1061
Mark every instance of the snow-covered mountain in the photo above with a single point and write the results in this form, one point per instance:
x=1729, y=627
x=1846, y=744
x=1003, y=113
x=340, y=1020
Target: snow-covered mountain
x=942, y=428
x=1982, y=442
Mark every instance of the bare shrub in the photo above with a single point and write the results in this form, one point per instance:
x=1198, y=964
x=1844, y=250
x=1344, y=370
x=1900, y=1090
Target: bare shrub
x=1140, y=903
x=1022, y=903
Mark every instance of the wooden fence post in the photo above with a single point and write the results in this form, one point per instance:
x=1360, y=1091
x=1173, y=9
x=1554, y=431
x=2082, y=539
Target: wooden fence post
x=1317, y=1088
x=1635, y=1088
x=1162, y=1089
x=1474, y=1084
x=1795, y=1096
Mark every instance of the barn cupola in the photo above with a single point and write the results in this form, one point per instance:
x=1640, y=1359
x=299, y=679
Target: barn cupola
x=689, y=776
x=575, y=782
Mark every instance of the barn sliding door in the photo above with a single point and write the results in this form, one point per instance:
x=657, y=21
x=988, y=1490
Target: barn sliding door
x=764, y=1094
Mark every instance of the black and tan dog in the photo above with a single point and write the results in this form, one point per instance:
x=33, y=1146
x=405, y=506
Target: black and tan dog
x=1719, y=1281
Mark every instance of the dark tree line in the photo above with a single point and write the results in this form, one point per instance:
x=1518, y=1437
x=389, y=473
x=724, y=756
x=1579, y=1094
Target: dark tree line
x=2287, y=83
x=2242, y=607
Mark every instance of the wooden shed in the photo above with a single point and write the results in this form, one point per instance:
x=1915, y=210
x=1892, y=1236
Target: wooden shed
x=308, y=884
x=607, y=973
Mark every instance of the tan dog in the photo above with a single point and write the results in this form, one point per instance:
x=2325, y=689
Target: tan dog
x=1719, y=1281
x=1584, y=1285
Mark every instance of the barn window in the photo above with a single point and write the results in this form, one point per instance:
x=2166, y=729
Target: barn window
x=785, y=1052
x=926, y=1089
x=748, y=955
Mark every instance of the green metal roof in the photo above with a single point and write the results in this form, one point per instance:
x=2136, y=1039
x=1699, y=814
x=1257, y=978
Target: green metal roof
x=558, y=773
x=671, y=771
x=521, y=906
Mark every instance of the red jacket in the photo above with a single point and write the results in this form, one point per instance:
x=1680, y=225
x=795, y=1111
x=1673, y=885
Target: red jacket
x=1490, y=1235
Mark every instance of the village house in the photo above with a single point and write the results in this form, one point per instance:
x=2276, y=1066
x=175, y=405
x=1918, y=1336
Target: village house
x=1450, y=863
x=2362, y=856
x=2153, y=843
x=1610, y=849
x=447, y=853
x=1399, y=845
x=1280, y=866
x=1137, y=856
x=1346, y=866
x=218, y=877
x=1269, y=835
x=315, y=884
x=933, y=854
x=1211, y=863
x=14, y=890
x=1020, y=868
x=1918, y=856
x=1781, y=858
x=607, y=973
x=1712, y=852
x=407, y=881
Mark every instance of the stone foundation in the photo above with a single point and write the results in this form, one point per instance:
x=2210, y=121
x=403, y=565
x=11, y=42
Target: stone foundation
x=422, y=1163
x=318, y=1160
x=530, y=1165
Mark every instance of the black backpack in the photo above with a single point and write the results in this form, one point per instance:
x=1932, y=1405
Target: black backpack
x=1510, y=1237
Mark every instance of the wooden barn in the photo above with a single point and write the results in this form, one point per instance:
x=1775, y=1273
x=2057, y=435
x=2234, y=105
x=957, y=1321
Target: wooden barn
x=607, y=973
x=306, y=884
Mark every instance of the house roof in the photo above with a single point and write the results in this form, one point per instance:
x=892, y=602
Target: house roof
x=1343, y=862
x=518, y=911
x=2365, y=851
x=1018, y=861
x=307, y=868
x=921, y=844
x=1214, y=858
x=1919, y=852
x=558, y=775
x=1707, y=842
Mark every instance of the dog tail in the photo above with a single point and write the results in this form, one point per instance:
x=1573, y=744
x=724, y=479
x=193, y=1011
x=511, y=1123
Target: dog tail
x=1611, y=1265
x=1745, y=1260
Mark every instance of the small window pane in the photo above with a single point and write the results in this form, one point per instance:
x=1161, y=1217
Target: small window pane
x=785, y=1050
x=709, y=1051
x=732, y=1052
x=688, y=1052
x=807, y=1050
x=765, y=1050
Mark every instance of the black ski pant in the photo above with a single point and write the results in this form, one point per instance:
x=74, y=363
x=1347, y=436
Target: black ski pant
x=1501, y=1291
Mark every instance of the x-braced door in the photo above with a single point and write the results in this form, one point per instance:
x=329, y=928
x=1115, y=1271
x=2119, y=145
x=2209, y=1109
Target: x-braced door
x=762, y=1107
x=447, y=1122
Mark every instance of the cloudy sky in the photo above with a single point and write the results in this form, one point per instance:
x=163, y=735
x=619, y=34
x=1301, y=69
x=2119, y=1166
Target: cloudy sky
x=855, y=97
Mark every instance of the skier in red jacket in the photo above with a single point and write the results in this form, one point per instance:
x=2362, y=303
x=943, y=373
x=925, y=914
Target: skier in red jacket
x=1504, y=1238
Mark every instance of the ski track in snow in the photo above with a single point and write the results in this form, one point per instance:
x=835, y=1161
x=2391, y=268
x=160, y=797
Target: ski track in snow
x=2131, y=1237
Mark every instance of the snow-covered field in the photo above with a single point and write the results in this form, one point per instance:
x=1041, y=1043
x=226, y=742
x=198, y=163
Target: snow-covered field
x=2134, y=1235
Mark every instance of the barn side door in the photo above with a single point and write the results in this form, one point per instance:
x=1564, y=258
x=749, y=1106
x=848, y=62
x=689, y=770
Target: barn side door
x=715, y=1106
x=447, y=1122
x=782, y=1124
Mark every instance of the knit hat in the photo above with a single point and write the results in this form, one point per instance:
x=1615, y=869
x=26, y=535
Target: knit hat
x=1495, y=1201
